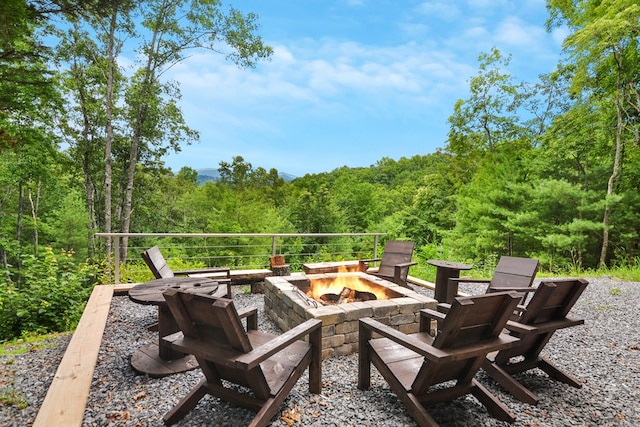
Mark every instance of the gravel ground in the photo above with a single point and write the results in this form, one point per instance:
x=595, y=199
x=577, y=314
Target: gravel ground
x=604, y=353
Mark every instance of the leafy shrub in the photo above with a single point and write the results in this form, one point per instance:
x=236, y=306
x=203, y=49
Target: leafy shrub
x=49, y=297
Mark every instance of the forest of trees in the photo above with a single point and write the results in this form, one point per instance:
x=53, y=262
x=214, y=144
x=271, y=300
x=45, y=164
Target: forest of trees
x=547, y=169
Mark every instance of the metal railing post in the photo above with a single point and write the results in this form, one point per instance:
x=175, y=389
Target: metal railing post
x=375, y=246
x=116, y=259
x=274, y=243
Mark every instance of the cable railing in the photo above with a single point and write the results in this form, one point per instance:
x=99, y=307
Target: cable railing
x=244, y=251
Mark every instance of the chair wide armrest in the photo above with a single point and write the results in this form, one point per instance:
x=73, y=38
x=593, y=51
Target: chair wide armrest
x=262, y=353
x=432, y=314
x=467, y=280
x=406, y=264
x=249, y=311
x=408, y=341
x=251, y=314
x=512, y=288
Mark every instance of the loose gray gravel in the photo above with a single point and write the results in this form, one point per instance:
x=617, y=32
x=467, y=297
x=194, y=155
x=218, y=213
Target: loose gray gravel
x=604, y=353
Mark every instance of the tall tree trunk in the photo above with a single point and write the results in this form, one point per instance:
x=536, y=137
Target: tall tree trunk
x=34, y=216
x=86, y=169
x=109, y=131
x=614, y=175
x=92, y=226
x=141, y=116
x=20, y=210
x=19, y=232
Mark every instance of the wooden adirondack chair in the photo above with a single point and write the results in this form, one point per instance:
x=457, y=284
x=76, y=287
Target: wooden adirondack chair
x=511, y=274
x=268, y=365
x=546, y=312
x=394, y=264
x=161, y=270
x=412, y=364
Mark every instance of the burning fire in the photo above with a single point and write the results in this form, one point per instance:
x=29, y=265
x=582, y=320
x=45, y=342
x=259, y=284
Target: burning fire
x=337, y=284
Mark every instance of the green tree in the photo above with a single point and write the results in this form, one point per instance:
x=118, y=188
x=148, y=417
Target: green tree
x=488, y=118
x=175, y=28
x=67, y=225
x=150, y=121
x=604, y=47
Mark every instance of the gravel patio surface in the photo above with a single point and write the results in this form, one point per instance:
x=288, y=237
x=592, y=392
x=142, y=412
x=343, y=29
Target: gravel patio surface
x=604, y=354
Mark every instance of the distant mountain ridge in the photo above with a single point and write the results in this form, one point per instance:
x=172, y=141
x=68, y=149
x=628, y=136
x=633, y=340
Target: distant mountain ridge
x=210, y=174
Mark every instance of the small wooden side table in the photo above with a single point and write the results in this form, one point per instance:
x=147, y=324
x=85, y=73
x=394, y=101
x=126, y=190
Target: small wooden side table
x=446, y=270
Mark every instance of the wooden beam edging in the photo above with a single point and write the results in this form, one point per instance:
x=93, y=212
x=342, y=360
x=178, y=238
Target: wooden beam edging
x=67, y=396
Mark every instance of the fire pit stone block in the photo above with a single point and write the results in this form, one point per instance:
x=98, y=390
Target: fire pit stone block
x=287, y=304
x=385, y=308
x=358, y=310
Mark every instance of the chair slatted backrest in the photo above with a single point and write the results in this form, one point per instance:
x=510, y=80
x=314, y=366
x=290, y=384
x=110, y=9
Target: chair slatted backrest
x=553, y=300
x=395, y=252
x=156, y=263
x=470, y=322
x=514, y=272
x=208, y=319
x=216, y=325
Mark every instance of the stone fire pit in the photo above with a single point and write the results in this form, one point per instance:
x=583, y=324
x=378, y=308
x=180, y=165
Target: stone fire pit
x=286, y=302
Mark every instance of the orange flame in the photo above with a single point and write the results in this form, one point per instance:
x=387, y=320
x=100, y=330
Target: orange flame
x=335, y=285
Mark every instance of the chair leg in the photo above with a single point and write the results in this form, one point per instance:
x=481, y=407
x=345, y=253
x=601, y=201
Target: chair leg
x=495, y=407
x=364, y=363
x=266, y=413
x=315, y=366
x=507, y=382
x=555, y=373
x=186, y=404
x=417, y=411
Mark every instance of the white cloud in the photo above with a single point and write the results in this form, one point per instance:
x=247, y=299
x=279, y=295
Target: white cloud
x=445, y=10
x=282, y=55
x=335, y=92
x=515, y=32
x=315, y=73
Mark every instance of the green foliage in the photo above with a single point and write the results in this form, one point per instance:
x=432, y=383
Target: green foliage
x=50, y=296
x=67, y=228
x=9, y=397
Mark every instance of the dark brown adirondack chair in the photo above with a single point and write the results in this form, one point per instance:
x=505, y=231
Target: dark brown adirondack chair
x=161, y=270
x=412, y=364
x=394, y=264
x=266, y=364
x=511, y=274
x=546, y=312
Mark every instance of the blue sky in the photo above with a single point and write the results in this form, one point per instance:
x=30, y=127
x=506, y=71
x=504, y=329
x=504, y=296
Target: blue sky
x=352, y=81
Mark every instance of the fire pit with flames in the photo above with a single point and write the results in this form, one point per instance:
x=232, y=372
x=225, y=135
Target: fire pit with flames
x=340, y=300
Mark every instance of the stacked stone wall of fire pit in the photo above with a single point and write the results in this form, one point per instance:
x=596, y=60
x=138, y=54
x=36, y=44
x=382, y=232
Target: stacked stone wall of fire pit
x=288, y=306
